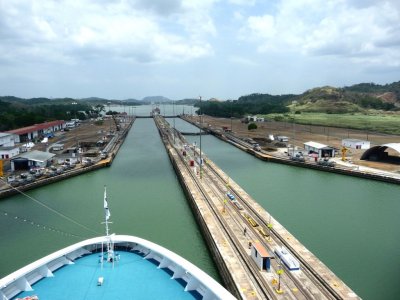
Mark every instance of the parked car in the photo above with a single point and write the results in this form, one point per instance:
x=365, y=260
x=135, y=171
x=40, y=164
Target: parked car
x=24, y=175
x=21, y=180
x=10, y=178
x=87, y=162
x=326, y=162
x=298, y=157
x=15, y=183
x=256, y=147
x=103, y=155
x=30, y=178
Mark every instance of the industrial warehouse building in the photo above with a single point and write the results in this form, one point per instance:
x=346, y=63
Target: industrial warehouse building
x=37, y=131
x=356, y=144
x=31, y=159
x=380, y=153
x=319, y=149
x=7, y=145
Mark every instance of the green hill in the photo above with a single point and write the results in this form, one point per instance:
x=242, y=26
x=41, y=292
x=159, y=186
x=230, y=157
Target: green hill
x=359, y=98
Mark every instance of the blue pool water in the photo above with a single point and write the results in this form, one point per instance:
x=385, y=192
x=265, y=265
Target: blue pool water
x=131, y=278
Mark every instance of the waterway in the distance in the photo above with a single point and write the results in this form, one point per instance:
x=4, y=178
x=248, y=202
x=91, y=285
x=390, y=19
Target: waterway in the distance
x=351, y=224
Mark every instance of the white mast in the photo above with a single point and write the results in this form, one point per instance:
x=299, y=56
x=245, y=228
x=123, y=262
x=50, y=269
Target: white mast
x=110, y=244
x=107, y=213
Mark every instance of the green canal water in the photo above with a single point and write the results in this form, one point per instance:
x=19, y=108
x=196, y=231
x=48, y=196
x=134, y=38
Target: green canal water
x=144, y=197
x=349, y=223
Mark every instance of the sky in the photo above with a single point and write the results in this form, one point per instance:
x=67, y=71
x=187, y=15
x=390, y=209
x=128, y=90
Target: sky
x=120, y=49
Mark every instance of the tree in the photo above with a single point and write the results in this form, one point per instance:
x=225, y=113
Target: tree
x=252, y=126
x=99, y=108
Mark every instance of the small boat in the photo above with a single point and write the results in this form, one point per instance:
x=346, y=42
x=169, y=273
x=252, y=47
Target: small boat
x=111, y=267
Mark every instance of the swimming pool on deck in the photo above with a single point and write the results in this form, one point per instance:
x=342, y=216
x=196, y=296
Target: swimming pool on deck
x=132, y=277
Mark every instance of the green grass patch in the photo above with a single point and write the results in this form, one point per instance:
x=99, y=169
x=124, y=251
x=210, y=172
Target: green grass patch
x=377, y=122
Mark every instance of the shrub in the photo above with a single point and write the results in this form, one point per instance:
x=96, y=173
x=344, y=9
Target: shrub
x=252, y=126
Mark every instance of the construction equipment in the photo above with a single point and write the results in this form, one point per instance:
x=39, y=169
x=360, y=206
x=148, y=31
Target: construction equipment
x=344, y=150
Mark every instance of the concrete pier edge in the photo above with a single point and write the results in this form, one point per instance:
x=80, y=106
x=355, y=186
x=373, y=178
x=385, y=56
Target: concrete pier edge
x=295, y=245
x=72, y=173
x=273, y=159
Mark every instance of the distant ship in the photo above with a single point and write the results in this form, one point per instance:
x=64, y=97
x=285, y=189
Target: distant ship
x=111, y=267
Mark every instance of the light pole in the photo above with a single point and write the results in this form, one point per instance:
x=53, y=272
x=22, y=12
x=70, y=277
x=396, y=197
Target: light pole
x=279, y=272
x=173, y=112
x=201, y=162
x=109, y=111
x=74, y=103
x=76, y=140
x=231, y=114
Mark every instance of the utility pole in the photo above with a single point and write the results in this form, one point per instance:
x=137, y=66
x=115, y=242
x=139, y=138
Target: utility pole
x=279, y=272
x=173, y=112
x=200, y=139
x=231, y=114
x=109, y=111
x=76, y=125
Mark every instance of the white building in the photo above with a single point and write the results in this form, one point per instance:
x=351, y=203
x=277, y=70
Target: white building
x=282, y=138
x=320, y=149
x=255, y=119
x=57, y=147
x=356, y=144
x=32, y=159
x=37, y=131
x=260, y=256
x=7, y=145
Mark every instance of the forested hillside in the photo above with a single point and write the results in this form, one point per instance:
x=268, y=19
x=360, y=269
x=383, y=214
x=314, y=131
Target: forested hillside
x=250, y=104
x=357, y=98
x=17, y=112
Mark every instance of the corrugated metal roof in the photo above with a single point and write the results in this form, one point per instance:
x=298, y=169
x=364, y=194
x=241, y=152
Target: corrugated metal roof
x=36, y=127
x=395, y=146
x=261, y=250
x=8, y=148
x=354, y=141
x=3, y=134
x=376, y=150
x=35, y=156
x=315, y=145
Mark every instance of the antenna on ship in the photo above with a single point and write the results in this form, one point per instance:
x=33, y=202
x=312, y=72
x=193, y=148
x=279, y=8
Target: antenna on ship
x=110, y=243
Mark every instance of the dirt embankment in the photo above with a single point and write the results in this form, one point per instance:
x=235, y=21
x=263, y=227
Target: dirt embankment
x=300, y=134
x=86, y=132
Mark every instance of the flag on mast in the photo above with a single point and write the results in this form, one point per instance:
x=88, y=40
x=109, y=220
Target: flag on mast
x=106, y=210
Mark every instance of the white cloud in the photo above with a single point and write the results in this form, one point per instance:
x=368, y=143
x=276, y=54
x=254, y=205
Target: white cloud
x=243, y=2
x=363, y=31
x=238, y=16
x=137, y=30
x=113, y=48
x=242, y=61
x=262, y=27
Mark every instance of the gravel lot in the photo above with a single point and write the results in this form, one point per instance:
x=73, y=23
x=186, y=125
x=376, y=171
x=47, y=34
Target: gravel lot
x=299, y=134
